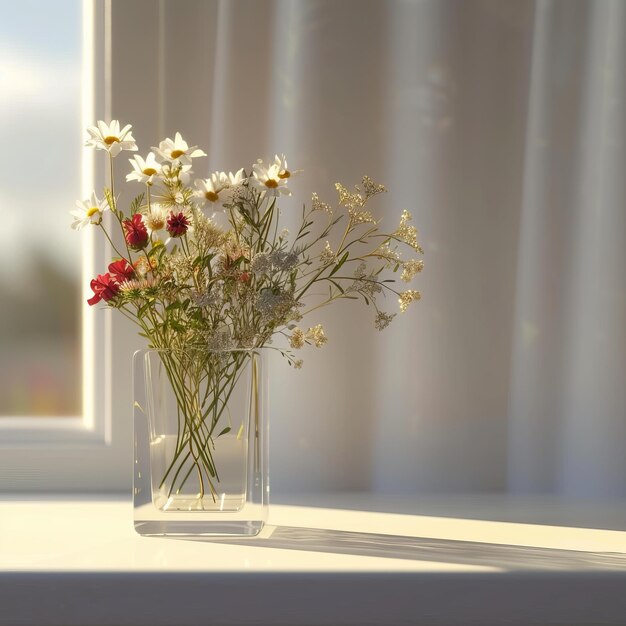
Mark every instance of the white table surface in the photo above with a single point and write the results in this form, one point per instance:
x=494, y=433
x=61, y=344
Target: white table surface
x=340, y=559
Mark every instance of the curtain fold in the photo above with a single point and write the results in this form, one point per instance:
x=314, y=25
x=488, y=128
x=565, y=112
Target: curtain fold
x=500, y=125
x=568, y=408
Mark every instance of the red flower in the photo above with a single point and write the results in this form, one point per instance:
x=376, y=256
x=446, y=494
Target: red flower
x=104, y=288
x=121, y=270
x=244, y=277
x=177, y=225
x=136, y=232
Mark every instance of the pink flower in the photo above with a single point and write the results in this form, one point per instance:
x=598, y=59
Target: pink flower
x=104, y=288
x=136, y=232
x=177, y=224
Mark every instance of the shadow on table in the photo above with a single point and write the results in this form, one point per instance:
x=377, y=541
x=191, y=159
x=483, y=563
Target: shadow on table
x=508, y=557
x=533, y=509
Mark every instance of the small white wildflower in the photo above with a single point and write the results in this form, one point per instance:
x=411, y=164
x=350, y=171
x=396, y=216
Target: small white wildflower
x=371, y=188
x=327, y=256
x=406, y=297
x=410, y=268
x=389, y=254
x=261, y=263
x=283, y=260
x=347, y=198
x=383, y=320
x=296, y=340
x=318, y=205
x=407, y=232
x=317, y=336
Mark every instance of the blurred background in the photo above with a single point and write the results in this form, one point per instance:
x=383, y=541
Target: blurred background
x=40, y=264
x=500, y=124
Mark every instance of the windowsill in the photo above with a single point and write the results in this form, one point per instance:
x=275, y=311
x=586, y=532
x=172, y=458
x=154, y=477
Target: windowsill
x=78, y=561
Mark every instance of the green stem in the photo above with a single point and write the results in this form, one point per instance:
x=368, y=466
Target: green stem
x=225, y=381
x=106, y=234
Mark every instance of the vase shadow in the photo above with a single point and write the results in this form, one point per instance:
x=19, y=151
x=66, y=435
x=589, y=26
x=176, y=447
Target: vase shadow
x=546, y=510
x=507, y=557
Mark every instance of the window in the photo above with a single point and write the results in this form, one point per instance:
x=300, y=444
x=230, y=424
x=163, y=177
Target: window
x=40, y=261
x=64, y=440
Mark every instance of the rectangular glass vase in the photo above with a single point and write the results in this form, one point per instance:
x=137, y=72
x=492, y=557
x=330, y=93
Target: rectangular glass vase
x=201, y=442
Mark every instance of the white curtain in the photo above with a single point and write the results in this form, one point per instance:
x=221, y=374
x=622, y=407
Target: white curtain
x=501, y=125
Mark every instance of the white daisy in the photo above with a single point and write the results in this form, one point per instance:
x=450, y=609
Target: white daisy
x=184, y=174
x=156, y=218
x=284, y=172
x=111, y=138
x=268, y=179
x=177, y=151
x=208, y=189
x=234, y=180
x=175, y=172
x=144, y=171
x=89, y=212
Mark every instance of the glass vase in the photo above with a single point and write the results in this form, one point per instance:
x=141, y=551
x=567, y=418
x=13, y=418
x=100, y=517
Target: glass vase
x=201, y=442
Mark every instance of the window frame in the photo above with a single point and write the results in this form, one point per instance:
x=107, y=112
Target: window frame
x=76, y=453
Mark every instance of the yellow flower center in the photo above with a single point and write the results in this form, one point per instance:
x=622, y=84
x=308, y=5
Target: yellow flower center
x=271, y=183
x=176, y=153
x=284, y=174
x=155, y=222
x=211, y=195
x=92, y=211
x=149, y=171
x=111, y=139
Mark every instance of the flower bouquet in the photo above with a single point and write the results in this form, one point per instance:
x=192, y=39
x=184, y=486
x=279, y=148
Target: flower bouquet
x=211, y=279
